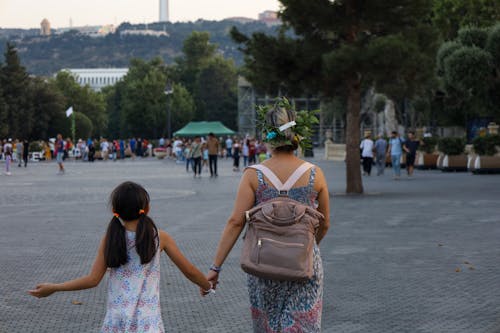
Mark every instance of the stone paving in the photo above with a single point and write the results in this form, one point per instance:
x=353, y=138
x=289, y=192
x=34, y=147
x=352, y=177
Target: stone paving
x=415, y=255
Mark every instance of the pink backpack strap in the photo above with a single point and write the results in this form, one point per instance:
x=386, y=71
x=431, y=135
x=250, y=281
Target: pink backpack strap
x=271, y=176
x=296, y=176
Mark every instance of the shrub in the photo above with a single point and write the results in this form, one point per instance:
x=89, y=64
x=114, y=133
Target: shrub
x=486, y=145
x=451, y=146
x=35, y=146
x=429, y=144
x=473, y=36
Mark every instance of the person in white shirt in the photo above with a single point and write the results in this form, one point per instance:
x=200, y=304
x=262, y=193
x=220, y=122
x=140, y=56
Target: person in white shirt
x=229, y=147
x=104, y=149
x=366, y=147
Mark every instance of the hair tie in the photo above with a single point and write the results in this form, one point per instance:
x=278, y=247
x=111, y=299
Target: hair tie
x=141, y=211
x=116, y=215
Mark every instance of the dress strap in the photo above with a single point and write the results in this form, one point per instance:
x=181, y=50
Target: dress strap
x=312, y=176
x=260, y=177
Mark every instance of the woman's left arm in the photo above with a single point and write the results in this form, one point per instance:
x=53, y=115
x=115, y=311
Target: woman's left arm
x=324, y=203
x=90, y=280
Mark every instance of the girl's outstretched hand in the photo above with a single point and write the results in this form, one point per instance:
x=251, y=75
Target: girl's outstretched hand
x=43, y=290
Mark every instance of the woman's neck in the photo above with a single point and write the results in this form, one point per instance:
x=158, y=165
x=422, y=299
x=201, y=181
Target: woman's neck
x=130, y=225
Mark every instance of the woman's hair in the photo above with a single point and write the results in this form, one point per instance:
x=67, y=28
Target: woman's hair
x=130, y=201
x=277, y=117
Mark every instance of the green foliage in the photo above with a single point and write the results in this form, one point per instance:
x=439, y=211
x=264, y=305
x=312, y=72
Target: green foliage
x=444, y=51
x=493, y=45
x=451, y=15
x=84, y=126
x=468, y=68
x=182, y=106
x=35, y=146
x=305, y=120
x=473, y=36
x=429, y=144
x=379, y=104
x=451, y=146
x=486, y=145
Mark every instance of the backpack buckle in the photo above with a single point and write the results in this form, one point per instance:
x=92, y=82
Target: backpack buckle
x=283, y=193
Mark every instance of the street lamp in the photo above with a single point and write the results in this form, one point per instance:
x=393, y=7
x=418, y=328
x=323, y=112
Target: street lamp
x=169, y=89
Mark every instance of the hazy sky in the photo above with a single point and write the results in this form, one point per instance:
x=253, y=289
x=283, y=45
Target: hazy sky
x=29, y=13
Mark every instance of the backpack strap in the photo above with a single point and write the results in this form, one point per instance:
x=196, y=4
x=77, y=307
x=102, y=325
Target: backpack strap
x=283, y=188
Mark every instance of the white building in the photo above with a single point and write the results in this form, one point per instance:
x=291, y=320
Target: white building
x=164, y=12
x=98, y=78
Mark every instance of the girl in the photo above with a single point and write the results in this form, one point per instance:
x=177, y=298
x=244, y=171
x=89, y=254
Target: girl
x=8, y=159
x=131, y=249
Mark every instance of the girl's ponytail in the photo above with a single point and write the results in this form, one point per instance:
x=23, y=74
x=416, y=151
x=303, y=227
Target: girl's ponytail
x=146, y=238
x=115, y=251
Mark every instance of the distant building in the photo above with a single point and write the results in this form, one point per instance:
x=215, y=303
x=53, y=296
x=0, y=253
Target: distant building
x=97, y=78
x=164, y=11
x=45, y=27
x=269, y=17
x=240, y=19
x=92, y=31
x=144, y=32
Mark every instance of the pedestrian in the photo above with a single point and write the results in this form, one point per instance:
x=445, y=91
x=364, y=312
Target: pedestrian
x=130, y=250
x=380, y=154
x=91, y=148
x=279, y=306
x=204, y=163
x=132, y=144
x=367, y=154
x=213, y=151
x=19, y=152
x=395, y=151
x=236, y=155
x=104, y=149
x=229, y=146
x=122, y=149
x=7, y=152
x=26, y=150
x=252, y=152
x=195, y=155
x=138, y=148
x=411, y=146
x=59, y=151
x=245, y=151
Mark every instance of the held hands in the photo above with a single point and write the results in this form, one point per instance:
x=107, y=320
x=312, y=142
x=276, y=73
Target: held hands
x=43, y=290
x=212, y=278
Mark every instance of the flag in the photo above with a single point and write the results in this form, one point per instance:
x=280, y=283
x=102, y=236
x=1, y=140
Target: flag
x=69, y=111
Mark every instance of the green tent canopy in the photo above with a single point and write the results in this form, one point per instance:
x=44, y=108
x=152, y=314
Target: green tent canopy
x=202, y=128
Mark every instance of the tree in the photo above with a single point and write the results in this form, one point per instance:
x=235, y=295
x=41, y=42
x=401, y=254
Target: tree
x=4, y=114
x=342, y=47
x=84, y=100
x=216, y=92
x=182, y=106
x=451, y=15
x=14, y=82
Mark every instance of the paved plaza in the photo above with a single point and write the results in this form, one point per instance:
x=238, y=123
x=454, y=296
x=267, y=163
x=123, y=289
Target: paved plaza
x=415, y=255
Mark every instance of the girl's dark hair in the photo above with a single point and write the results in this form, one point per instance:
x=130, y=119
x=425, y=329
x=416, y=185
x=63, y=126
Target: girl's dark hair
x=130, y=201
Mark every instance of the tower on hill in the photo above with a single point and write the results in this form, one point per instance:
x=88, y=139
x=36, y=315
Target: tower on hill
x=164, y=11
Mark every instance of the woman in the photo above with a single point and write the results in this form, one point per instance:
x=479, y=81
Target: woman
x=279, y=306
x=236, y=148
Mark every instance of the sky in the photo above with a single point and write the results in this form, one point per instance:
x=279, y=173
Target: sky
x=29, y=13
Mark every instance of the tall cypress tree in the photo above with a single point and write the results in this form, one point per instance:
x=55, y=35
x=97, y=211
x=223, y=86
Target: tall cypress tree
x=14, y=81
x=342, y=47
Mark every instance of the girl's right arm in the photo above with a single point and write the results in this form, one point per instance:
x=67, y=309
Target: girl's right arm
x=88, y=281
x=186, y=267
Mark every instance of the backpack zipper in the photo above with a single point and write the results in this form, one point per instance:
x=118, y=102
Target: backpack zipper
x=270, y=240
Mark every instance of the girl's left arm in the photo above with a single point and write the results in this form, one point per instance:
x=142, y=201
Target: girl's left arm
x=88, y=281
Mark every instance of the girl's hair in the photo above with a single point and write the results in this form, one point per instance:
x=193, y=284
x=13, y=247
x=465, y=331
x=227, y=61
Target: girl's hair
x=130, y=201
x=277, y=117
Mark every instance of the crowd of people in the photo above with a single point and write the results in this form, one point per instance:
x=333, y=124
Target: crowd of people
x=14, y=151
x=391, y=149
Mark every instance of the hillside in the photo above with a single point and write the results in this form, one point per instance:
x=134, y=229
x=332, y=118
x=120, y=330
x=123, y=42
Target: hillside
x=47, y=55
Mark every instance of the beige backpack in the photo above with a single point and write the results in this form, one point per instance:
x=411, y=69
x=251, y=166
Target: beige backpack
x=280, y=236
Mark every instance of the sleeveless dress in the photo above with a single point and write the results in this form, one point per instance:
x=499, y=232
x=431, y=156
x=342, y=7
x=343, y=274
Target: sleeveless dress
x=134, y=294
x=287, y=306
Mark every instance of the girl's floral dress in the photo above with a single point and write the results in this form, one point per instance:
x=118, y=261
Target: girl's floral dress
x=287, y=306
x=134, y=294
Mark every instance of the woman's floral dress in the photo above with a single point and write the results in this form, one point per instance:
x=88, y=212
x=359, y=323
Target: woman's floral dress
x=134, y=294
x=287, y=306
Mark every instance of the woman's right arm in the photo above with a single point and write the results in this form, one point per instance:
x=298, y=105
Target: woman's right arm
x=244, y=201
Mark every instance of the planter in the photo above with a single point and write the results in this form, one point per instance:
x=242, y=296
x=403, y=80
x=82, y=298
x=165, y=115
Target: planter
x=426, y=161
x=486, y=164
x=160, y=153
x=457, y=163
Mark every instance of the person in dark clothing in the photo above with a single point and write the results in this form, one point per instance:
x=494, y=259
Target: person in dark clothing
x=91, y=152
x=26, y=148
x=138, y=149
x=411, y=146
